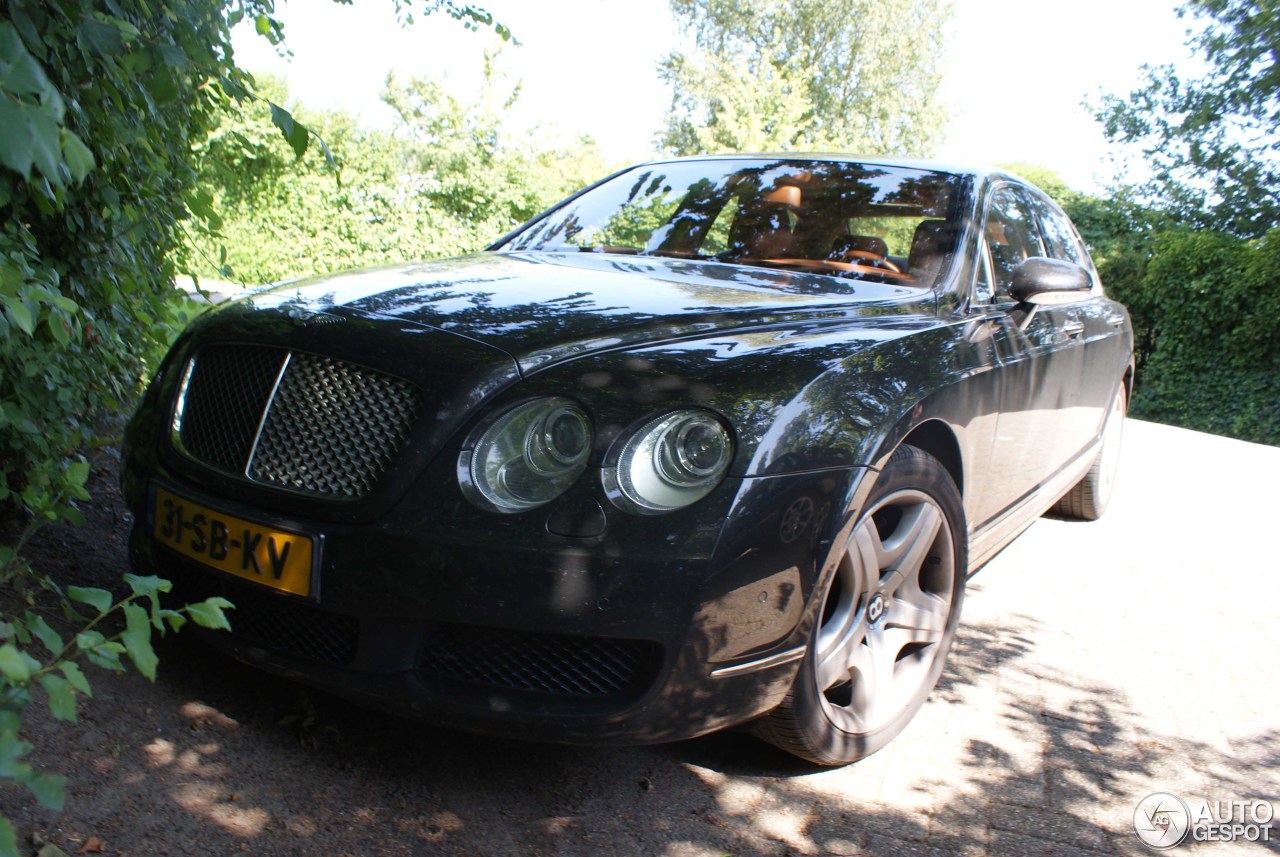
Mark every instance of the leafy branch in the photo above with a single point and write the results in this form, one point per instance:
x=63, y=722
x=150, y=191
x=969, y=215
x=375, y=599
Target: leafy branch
x=59, y=674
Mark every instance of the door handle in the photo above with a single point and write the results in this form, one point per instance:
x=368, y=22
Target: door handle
x=1115, y=320
x=1073, y=328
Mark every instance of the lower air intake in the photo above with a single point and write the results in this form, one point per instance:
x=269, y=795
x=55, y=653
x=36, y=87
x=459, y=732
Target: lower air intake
x=545, y=663
x=274, y=623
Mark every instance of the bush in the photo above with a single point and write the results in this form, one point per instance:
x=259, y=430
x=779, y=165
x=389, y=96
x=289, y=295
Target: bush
x=101, y=108
x=98, y=113
x=1211, y=302
x=444, y=181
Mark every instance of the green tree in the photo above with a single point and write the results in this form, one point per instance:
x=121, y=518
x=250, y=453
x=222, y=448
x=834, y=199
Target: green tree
x=789, y=75
x=464, y=164
x=1212, y=142
x=283, y=216
x=1192, y=251
x=97, y=116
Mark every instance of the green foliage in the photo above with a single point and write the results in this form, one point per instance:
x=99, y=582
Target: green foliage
x=1213, y=143
x=471, y=17
x=445, y=180
x=807, y=75
x=102, y=105
x=33, y=655
x=97, y=115
x=1213, y=301
x=1204, y=307
x=100, y=114
x=1203, y=304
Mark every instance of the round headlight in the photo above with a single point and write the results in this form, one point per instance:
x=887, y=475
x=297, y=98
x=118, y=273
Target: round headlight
x=672, y=461
x=527, y=457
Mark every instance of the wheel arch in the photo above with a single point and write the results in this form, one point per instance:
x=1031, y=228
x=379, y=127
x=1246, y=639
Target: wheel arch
x=936, y=438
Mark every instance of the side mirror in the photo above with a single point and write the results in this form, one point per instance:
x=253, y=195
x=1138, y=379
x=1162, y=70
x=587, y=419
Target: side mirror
x=1049, y=281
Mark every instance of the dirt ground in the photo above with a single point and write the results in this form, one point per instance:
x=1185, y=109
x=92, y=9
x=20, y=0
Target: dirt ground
x=218, y=758
x=1097, y=663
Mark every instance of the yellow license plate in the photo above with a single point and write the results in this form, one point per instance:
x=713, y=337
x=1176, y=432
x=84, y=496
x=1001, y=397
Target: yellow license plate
x=246, y=549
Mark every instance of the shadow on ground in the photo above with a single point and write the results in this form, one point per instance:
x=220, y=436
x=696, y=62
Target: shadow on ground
x=1008, y=757
x=218, y=758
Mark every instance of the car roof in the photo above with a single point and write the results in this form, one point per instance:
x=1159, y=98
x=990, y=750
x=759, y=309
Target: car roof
x=979, y=171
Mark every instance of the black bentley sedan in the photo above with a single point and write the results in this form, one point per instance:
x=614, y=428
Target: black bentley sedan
x=715, y=441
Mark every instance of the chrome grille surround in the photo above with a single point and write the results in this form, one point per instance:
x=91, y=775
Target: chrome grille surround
x=293, y=420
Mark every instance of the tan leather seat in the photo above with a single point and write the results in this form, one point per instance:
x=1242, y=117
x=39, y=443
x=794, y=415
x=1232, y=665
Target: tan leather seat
x=856, y=245
x=931, y=246
x=762, y=227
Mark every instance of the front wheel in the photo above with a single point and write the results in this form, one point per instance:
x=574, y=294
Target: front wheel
x=889, y=615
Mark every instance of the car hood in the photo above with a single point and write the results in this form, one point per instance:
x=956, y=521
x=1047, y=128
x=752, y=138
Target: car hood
x=545, y=308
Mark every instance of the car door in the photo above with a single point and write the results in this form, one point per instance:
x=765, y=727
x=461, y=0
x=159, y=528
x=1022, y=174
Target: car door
x=1097, y=327
x=1041, y=361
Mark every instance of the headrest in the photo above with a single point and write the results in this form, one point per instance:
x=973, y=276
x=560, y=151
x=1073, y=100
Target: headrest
x=866, y=243
x=784, y=195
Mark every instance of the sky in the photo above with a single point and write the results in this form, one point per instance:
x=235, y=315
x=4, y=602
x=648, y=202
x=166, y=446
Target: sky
x=1015, y=75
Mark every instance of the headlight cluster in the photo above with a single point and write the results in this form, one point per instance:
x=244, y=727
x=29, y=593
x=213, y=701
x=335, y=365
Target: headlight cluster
x=672, y=461
x=532, y=453
x=528, y=456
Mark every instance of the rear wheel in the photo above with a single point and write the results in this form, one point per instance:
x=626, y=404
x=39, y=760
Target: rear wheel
x=1089, y=498
x=889, y=614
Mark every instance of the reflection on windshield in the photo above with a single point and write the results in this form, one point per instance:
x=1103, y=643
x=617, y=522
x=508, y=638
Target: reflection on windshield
x=890, y=224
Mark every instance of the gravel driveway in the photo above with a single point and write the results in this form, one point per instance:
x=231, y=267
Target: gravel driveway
x=1096, y=664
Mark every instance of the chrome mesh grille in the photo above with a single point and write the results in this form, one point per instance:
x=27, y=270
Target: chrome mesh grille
x=294, y=420
x=333, y=427
x=222, y=403
x=546, y=663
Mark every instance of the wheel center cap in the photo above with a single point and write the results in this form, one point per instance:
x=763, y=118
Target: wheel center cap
x=875, y=610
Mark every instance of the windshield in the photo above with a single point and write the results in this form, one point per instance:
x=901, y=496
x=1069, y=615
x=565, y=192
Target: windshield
x=864, y=221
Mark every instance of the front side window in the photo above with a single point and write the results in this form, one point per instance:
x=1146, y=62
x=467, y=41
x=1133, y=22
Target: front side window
x=860, y=221
x=1060, y=237
x=1011, y=235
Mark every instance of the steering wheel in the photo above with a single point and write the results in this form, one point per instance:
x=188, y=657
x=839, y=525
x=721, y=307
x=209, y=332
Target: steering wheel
x=867, y=257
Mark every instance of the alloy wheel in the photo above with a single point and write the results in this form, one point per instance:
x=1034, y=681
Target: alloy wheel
x=885, y=617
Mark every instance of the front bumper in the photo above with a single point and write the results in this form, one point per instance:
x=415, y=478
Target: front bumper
x=623, y=638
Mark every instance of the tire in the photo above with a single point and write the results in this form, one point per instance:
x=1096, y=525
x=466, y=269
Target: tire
x=1088, y=499
x=888, y=617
